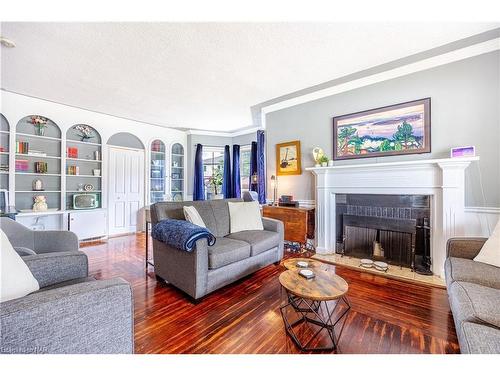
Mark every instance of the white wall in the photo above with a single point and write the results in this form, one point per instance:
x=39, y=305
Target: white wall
x=14, y=107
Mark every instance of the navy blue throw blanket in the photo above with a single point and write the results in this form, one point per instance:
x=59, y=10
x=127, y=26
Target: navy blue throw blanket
x=181, y=234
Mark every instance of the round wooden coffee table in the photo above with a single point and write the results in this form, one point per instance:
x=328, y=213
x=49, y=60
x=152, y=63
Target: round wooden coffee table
x=291, y=264
x=320, y=301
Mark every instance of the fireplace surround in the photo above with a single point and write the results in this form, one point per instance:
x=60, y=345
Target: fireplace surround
x=442, y=180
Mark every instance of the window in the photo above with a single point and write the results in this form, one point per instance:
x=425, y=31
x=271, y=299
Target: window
x=213, y=171
x=245, y=153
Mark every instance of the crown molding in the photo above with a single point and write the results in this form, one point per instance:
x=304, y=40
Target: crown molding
x=236, y=133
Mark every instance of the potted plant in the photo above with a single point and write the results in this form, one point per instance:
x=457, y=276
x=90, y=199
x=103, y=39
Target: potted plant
x=323, y=160
x=216, y=182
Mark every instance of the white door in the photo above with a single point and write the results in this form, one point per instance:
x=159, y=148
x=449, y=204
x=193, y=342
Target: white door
x=126, y=189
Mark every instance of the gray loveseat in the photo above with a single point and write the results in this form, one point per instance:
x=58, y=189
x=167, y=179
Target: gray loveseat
x=232, y=257
x=474, y=294
x=72, y=312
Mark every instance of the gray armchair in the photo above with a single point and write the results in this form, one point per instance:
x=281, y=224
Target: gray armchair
x=48, y=241
x=72, y=312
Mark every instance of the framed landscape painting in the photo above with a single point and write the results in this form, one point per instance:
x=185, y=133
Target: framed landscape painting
x=398, y=129
x=288, y=158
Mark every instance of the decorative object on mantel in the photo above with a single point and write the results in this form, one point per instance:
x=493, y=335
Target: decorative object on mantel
x=38, y=185
x=323, y=160
x=317, y=153
x=40, y=203
x=288, y=158
x=85, y=132
x=398, y=129
x=40, y=123
x=464, y=151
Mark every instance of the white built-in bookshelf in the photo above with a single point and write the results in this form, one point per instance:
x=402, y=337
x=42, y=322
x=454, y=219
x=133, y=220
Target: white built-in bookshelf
x=43, y=155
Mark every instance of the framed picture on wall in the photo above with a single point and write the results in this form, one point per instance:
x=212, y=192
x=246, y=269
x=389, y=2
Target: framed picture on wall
x=398, y=129
x=288, y=158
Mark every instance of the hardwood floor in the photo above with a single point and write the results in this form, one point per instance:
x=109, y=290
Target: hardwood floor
x=387, y=316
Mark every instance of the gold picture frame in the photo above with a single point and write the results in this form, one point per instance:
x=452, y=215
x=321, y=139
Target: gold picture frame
x=288, y=159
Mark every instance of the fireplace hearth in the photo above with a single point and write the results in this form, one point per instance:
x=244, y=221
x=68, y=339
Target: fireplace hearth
x=390, y=229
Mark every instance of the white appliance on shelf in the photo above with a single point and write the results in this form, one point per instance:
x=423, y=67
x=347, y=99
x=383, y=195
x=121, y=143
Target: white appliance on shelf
x=88, y=224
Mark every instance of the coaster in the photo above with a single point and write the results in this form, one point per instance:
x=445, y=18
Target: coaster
x=308, y=274
x=302, y=264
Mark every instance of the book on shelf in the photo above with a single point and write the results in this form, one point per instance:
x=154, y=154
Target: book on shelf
x=72, y=152
x=73, y=170
x=22, y=165
x=22, y=147
x=41, y=167
x=36, y=153
x=4, y=167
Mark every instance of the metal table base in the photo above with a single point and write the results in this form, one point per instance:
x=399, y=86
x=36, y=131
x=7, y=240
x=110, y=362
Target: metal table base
x=311, y=313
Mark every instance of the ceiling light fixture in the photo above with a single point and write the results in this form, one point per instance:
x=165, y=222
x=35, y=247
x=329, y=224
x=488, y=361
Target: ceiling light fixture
x=7, y=42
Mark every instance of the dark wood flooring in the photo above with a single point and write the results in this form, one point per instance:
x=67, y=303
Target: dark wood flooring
x=387, y=316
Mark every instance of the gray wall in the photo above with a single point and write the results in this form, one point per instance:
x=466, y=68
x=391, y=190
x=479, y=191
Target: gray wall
x=465, y=103
x=210, y=140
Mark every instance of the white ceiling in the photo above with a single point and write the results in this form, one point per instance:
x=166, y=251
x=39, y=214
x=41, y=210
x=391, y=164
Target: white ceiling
x=204, y=75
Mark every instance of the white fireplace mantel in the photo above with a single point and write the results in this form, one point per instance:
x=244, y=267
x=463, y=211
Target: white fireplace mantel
x=442, y=179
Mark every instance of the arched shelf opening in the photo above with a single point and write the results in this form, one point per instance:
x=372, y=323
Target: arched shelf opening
x=124, y=139
x=157, y=174
x=37, y=163
x=4, y=152
x=177, y=174
x=83, y=167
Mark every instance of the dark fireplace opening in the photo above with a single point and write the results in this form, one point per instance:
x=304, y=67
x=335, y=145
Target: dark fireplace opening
x=391, y=228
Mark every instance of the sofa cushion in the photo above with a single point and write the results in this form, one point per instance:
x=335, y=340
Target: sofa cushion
x=259, y=240
x=480, y=339
x=460, y=269
x=490, y=252
x=16, y=279
x=475, y=303
x=227, y=251
x=191, y=214
x=221, y=213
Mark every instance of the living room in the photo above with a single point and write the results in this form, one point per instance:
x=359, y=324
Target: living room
x=208, y=185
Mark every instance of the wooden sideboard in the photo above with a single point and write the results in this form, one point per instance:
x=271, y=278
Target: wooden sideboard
x=299, y=222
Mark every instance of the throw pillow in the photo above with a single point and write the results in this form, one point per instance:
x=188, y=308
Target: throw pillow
x=245, y=216
x=16, y=280
x=490, y=252
x=193, y=216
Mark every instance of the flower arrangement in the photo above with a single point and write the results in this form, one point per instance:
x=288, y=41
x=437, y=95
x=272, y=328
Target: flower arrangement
x=85, y=132
x=40, y=123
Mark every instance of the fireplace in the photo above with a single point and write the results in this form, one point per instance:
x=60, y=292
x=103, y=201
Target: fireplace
x=388, y=228
x=442, y=181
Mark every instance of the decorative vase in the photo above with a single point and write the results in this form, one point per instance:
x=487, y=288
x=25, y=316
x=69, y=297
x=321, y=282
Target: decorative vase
x=40, y=203
x=38, y=185
x=317, y=165
x=324, y=164
x=40, y=130
x=330, y=163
